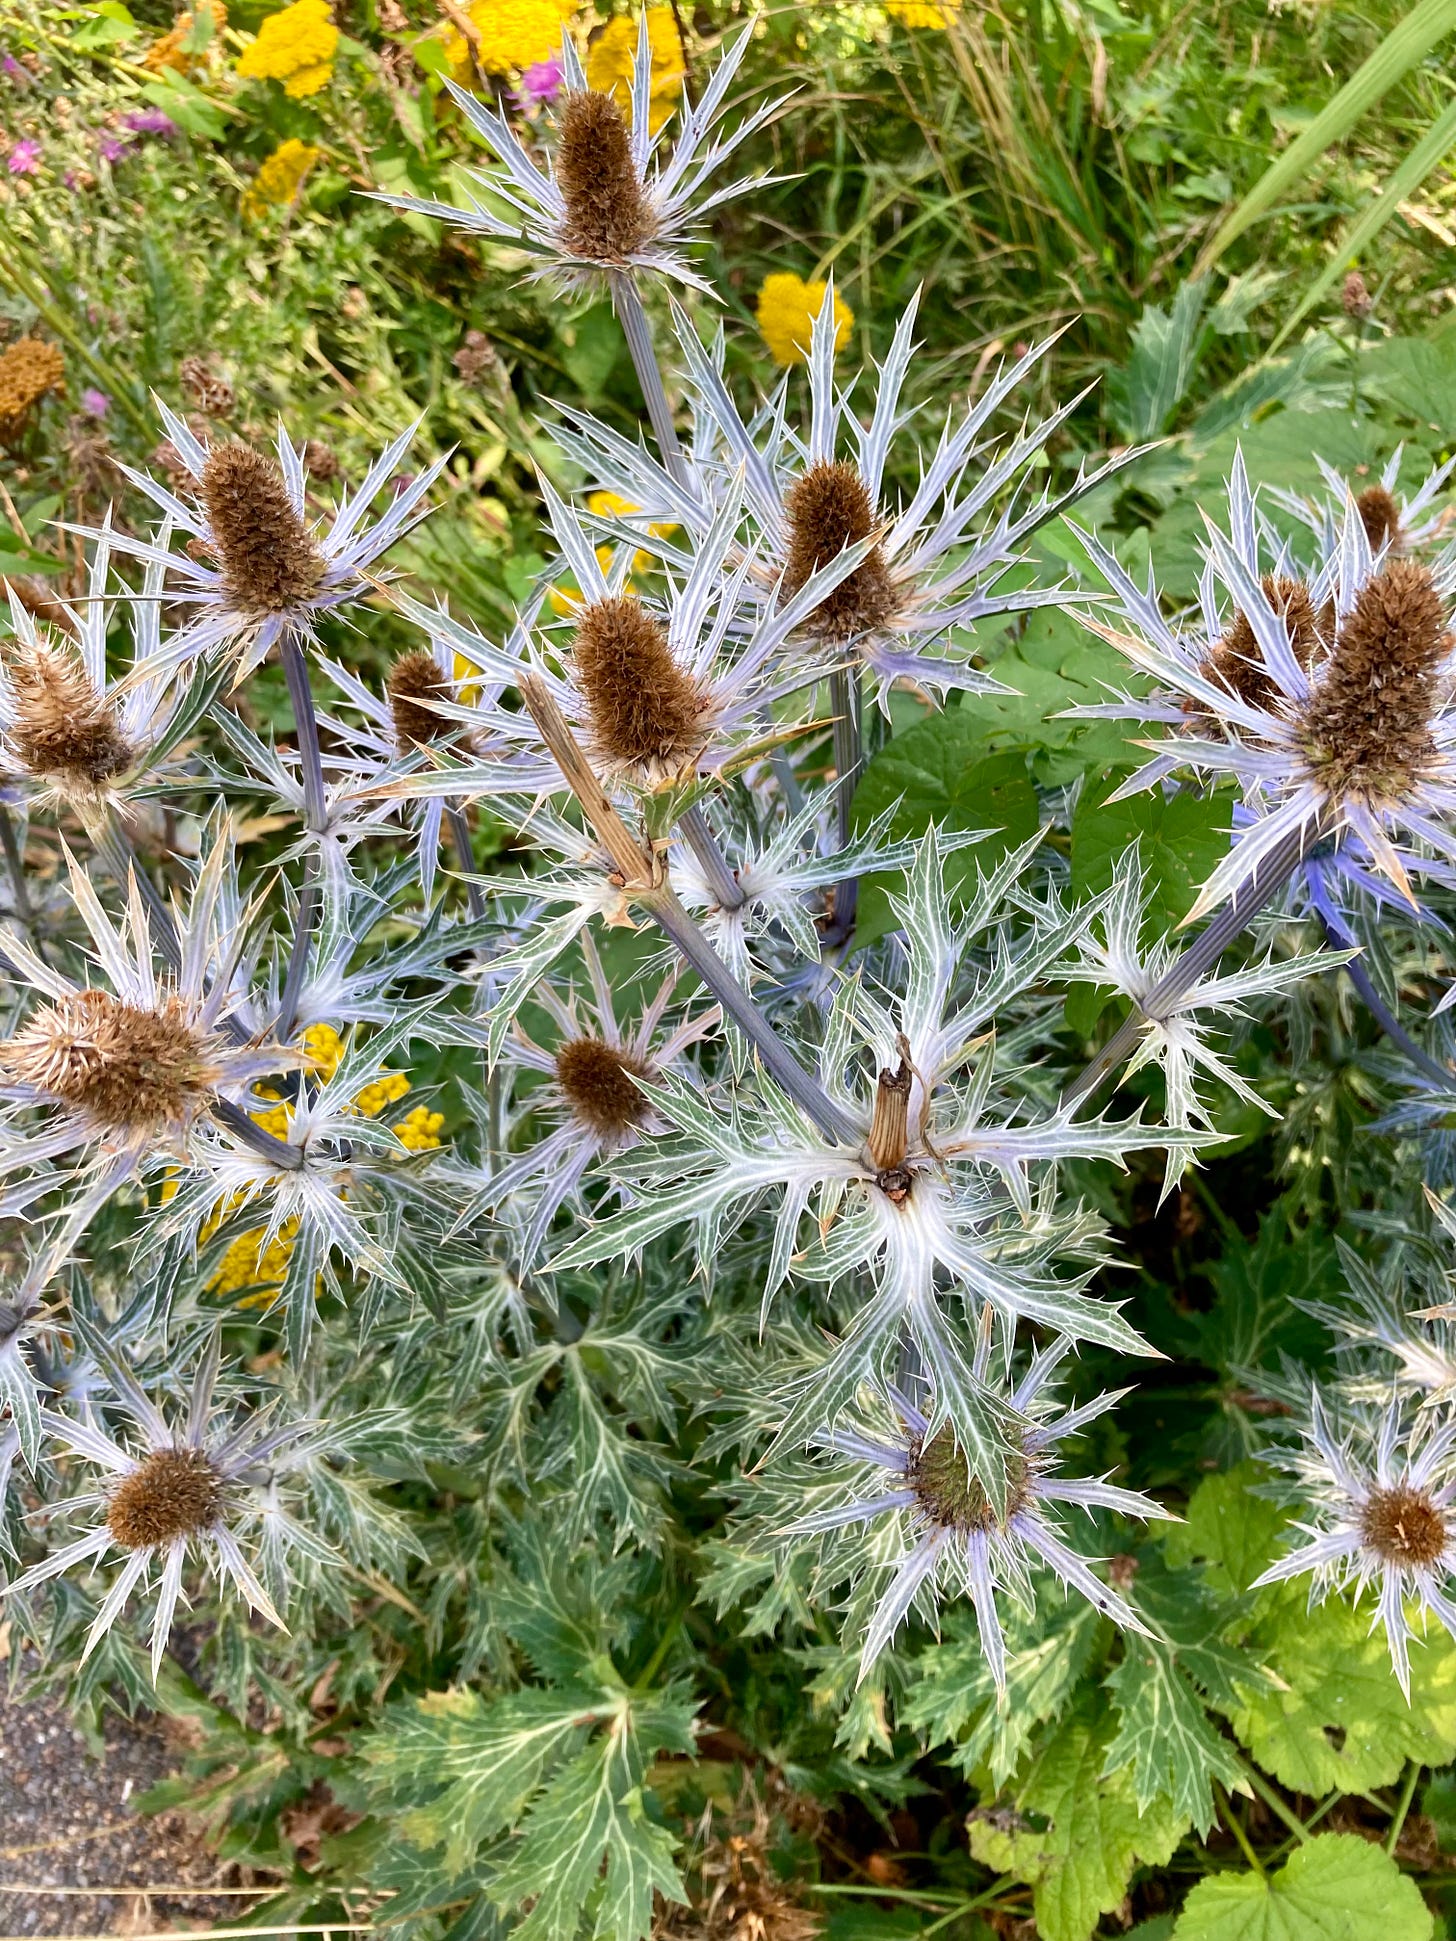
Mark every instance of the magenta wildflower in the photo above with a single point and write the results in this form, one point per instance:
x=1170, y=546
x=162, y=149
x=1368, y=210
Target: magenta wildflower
x=540, y=82
x=24, y=158
x=150, y=121
x=95, y=403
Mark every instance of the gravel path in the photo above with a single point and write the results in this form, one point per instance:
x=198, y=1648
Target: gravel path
x=66, y=1821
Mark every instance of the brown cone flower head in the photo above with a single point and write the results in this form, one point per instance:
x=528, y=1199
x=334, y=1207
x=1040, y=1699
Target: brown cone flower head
x=1380, y=516
x=1403, y=1526
x=828, y=509
x=414, y=682
x=127, y=1068
x=173, y=1493
x=596, y=1080
x=948, y=1492
x=1367, y=724
x=1235, y=660
x=64, y=732
x=608, y=216
x=270, y=563
x=646, y=713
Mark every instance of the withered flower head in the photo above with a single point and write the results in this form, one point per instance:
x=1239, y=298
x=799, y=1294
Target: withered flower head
x=125, y=1067
x=64, y=732
x=1367, y=725
x=1404, y=1526
x=1235, y=660
x=414, y=681
x=646, y=712
x=270, y=562
x=597, y=1082
x=949, y=1492
x=208, y=389
x=172, y=1493
x=1355, y=298
x=608, y=216
x=828, y=509
x=1380, y=516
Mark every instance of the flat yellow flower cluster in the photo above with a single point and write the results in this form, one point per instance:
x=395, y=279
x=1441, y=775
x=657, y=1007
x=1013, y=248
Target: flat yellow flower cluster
x=247, y=1262
x=296, y=47
x=612, y=57
x=512, y=34
x=279, y=178
x=787, y=307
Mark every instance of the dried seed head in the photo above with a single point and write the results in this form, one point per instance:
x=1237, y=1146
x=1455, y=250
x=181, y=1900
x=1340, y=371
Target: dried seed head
x=949, y=1492
x=597, y=1080
x=64, y=732
x=125, y=1067
x=645, y=712
x=173, y=1493
x=828, y=509
x=889, y=1135
x=208, y=389
x=1380, y=516
x=270, y=563
x=1235, y=660
x=1403, y=1526
x=1355, y=298
x=1367, y=725
x=608, y=216
x=415, y=681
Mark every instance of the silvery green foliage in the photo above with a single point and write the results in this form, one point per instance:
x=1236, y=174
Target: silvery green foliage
x=698, y=1160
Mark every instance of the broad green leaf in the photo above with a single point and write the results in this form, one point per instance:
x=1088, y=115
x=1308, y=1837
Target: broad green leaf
x=1080, y=1865
x=1228, y=1528
x=1337, y=1720
x=1337, y=1887
x=1416, y=378
x=1409, y=41
x=940, y=773
x=1052, y=663
x=1255, y=1318
x=1182, y=839
x=1164, y=1734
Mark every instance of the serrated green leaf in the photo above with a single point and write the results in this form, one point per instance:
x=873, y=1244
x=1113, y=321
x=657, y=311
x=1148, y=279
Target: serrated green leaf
x=1080, y=1865
x=1164, y=1734
x=1337, y=1887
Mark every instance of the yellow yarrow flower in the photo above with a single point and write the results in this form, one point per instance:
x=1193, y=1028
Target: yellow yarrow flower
x=296, y=47
x=512, y=34
x=612, y=57
x=280, y=178
x=923, y=13
x=611, y=505
x=787, y=307
x=247, y=1262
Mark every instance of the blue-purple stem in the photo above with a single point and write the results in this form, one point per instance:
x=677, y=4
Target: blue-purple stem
x=315, y=817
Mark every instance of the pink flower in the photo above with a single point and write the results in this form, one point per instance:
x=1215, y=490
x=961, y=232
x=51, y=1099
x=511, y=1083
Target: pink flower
x=95, y=403
x=539, y=82
x=24, y=158
x=112, y=148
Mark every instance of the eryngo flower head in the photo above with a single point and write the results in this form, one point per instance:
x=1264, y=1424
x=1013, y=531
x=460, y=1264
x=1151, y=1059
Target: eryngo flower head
x=1394, y=523
x=126, y=1069
x=72, y=733
x=1328, y=700
x=927, y=568
x=1380, y=1501
x=957, y=1540
x=256, y=564
x=1387, y=1337
x=937, y=1193
x=169, y=1491
x=606, y=202
x=596, y=1075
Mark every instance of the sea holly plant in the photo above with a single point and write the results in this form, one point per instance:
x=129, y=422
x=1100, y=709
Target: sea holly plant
x=492, y=1224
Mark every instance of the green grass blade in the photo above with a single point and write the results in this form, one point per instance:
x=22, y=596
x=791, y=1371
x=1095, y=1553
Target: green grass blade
x=1402, y=47
x=1404, y=182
